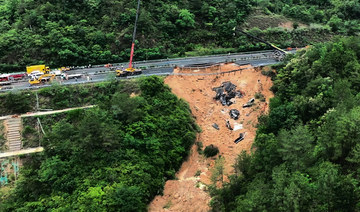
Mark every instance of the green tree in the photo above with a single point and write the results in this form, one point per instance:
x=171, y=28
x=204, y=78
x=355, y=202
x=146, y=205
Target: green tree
x=296, y=147
x=18, y=102
x=186, y=19
x=292, y=191
x=123, y=198
x=342, y=130
x=113, y=157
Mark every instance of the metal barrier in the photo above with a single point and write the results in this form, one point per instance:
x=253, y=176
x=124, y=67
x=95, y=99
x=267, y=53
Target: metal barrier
x=182, y=58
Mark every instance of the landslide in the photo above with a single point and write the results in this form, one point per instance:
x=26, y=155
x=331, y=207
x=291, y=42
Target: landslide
x=188, y=192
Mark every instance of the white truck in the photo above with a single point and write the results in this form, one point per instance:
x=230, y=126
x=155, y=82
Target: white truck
x=56, y=72
x=70, y=76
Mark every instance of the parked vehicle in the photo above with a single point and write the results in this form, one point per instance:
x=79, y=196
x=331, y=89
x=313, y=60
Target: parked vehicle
x=37, y=68
x=35, y=74
x=42, y=79
x=4, y=77
x=9, y=77
x=57, y=72
x=17, y=76
x=70, y=76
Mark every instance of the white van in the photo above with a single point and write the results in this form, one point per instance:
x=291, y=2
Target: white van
x=35, y=74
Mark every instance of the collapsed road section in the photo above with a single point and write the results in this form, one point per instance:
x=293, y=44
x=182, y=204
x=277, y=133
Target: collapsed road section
x=230, y=135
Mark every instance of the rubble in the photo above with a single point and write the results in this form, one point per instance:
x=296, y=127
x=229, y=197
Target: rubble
x=226, y=92
x=234, y=114
x=228, y=125
x=216, y=126
x=238, y=94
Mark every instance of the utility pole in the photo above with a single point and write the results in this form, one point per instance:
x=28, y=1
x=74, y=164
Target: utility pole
x=36, y=110
x=38, y=119
x=37, y=101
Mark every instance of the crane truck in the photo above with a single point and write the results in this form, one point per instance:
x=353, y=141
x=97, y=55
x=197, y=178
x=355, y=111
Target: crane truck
x=42, y=79
x=131, y=71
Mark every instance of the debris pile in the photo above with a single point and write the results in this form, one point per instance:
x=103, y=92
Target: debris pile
x=226, y=92
x=216, y=126
x=234, y=114
x=228, y=125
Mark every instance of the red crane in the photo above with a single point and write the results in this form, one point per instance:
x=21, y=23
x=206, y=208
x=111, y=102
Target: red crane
x=134, y=35
x=131, y=71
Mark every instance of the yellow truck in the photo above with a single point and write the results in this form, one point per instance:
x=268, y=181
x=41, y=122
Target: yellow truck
x=37, y=68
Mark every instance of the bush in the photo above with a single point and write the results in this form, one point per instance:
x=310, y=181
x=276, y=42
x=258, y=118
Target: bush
x=199, y=145
x=211, y=151
x=295, y=25
x=18, y=102
x=260, y=97
x=269, y=73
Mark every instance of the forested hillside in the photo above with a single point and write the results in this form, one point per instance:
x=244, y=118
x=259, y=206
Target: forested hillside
x=115, y=157
x=84, y=32
x=306, y=151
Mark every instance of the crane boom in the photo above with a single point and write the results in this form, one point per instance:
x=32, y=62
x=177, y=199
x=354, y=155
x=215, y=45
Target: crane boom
x=134, y=35
x=263, y=41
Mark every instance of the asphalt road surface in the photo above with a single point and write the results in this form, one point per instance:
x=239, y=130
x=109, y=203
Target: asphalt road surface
x=155, y=67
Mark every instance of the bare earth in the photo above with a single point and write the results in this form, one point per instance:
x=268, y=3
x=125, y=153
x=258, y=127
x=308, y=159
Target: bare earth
x=290, y=25
x=188, y=193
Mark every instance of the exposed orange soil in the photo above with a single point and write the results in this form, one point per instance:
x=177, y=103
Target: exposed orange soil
x=188, y=193
x=290, y=25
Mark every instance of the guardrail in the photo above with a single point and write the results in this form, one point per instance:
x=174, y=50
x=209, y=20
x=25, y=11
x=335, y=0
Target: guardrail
x=192, y=74
x=263, y=55
x=230, y=58
x=189, y=58
x=242, y=58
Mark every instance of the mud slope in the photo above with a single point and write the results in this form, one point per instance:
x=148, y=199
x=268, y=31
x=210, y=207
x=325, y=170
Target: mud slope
x=188, y=192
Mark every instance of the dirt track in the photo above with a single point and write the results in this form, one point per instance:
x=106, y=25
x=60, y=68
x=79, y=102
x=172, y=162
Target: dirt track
x=188, y=193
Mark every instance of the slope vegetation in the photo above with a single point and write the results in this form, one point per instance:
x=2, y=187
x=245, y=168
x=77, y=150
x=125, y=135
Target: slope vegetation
x=61, y=33
x=112, y=158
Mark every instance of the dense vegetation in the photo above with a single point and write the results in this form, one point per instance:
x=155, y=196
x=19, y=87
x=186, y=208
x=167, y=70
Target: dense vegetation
x=86, y=32
x=307, y=149
x=59, y=97
x=339, y=15
x=115, y=157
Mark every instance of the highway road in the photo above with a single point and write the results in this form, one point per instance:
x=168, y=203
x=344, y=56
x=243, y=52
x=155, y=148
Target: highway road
x=99, y=73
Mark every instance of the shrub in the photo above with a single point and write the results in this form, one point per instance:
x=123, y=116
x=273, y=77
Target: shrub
x=260, y=97
x=295, y=25
x=199, y=145
x=18, y=102
x=211, y=150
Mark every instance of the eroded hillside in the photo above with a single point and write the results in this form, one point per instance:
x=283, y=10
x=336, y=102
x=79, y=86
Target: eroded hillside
x=188, y=191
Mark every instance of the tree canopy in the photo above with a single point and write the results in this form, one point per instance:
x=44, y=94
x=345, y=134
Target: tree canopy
x=63, y=33
x=115, y=157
